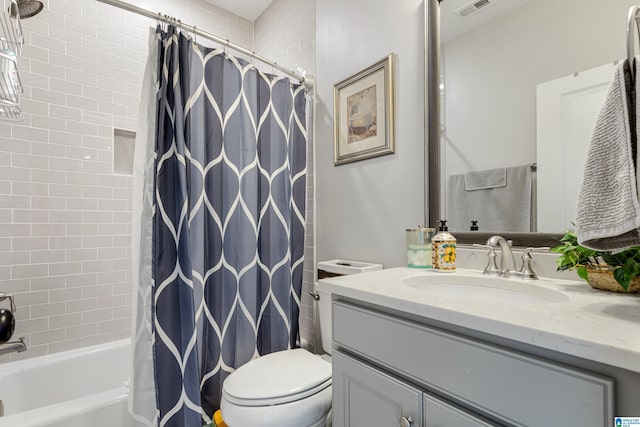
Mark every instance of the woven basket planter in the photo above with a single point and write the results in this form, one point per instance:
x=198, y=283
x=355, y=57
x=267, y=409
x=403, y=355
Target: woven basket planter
x=602, y=278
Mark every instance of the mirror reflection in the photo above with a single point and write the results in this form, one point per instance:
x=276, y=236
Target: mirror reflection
x=522, y=82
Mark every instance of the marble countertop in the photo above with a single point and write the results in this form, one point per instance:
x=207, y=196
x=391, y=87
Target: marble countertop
x=595, y=325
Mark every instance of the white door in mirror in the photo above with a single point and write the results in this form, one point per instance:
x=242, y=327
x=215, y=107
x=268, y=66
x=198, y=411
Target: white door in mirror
x=567, y=109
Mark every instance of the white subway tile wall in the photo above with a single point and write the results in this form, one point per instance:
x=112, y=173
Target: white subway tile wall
x=285, y=33
x=65, y=218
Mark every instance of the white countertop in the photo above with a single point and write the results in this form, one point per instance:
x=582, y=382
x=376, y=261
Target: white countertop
x=591, y=324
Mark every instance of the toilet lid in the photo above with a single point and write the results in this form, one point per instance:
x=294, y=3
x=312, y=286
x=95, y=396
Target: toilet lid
x=277, y=378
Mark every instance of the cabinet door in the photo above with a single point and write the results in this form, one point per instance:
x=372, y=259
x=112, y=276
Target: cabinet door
x=438, y=413
x=366, y=397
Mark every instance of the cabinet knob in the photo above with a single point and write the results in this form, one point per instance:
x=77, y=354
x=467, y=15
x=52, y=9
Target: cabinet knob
x=406, y=421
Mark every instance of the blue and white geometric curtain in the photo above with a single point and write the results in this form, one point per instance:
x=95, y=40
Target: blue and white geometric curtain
x=228, y=223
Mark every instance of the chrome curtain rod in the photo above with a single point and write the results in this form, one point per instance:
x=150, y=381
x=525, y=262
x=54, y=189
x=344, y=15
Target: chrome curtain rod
x=304, y=79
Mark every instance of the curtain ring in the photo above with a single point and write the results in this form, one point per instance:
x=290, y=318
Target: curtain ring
x=226, y=50
x=195, y=35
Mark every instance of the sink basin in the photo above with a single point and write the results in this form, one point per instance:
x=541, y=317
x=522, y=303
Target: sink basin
x=483, y=288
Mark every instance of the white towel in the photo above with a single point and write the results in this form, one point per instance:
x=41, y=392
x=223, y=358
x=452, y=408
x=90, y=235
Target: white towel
x=499, y=199
x=608, y=210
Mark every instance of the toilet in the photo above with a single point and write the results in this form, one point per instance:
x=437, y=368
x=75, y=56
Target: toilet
x=290, y=388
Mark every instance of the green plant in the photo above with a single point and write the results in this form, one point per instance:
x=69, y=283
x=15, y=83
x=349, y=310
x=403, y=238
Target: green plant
x=625, y=264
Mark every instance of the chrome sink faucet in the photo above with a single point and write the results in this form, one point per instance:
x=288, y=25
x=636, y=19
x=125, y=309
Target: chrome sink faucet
x=507, y=260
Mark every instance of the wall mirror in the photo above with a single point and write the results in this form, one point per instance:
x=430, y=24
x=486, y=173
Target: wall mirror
x=519, y=85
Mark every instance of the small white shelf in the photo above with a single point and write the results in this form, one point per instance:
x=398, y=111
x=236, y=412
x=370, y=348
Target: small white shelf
x=342, y=266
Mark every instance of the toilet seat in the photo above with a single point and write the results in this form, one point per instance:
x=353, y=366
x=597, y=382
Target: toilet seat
x=277, y=378
x=277, y=400
x=313, y=411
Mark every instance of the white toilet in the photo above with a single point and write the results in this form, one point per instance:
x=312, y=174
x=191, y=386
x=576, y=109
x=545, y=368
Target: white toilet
x=290, y=388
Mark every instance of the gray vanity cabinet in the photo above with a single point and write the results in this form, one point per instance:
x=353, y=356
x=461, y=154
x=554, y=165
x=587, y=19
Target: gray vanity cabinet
x=386, y=366
x=372, y=398
x=438, y=413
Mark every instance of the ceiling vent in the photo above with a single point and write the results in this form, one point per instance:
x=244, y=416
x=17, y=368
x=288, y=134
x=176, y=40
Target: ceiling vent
x=472, y=8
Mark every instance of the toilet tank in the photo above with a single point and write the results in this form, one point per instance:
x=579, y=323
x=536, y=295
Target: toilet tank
x=336, y=267
x=324, y=319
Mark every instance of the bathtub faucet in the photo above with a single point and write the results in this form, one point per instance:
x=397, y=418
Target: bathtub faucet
x=17, y=346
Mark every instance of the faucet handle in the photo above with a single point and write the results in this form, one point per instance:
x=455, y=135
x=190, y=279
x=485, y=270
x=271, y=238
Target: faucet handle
x=526, y=272
x=492, y=268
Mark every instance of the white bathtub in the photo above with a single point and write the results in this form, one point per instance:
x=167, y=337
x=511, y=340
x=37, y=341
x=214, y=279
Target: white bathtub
x=77, y=388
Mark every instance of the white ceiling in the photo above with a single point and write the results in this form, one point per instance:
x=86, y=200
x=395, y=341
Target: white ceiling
x=249, y=9
x=452, y=26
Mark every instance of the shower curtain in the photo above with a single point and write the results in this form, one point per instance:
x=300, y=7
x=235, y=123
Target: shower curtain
x=221, y=252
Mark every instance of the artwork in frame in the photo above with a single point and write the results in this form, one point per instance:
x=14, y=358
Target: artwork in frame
x=363, y=119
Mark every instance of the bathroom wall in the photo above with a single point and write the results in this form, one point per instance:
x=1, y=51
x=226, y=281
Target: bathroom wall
x=65, y=217
x=363, y=208
x=284, y=33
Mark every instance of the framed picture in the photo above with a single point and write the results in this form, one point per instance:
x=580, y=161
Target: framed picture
x=363, y=114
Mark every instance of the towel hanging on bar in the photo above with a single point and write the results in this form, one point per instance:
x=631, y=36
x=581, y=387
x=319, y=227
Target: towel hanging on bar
x=632, y=18
x=608, y=208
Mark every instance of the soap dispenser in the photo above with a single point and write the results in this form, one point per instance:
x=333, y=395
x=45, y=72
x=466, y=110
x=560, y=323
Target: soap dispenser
x=443, y=249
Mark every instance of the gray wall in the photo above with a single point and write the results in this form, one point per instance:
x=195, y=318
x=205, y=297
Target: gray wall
x=363, y=208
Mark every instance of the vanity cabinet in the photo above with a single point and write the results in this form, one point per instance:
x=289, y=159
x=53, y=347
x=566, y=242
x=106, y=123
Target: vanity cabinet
x=439, y=413
x=386, y=367
x=370, y=397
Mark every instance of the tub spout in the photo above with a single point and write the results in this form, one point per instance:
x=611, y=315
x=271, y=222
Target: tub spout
x=17, y=346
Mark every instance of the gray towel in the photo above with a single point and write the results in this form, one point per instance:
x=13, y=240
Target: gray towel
x=497, y=208
x=483, y=180
x=608, y=210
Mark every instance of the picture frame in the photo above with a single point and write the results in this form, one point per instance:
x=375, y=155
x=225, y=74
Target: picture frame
x=364, y=116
